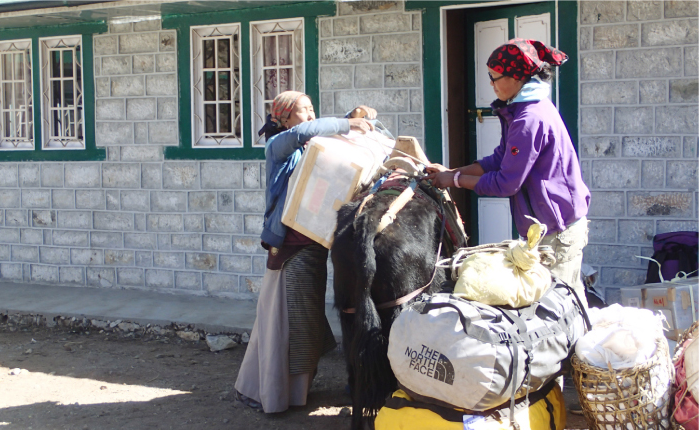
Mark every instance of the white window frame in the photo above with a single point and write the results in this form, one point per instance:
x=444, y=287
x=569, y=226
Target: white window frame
x=26, y=110
x=258, y=29
x=200, y=138
x=61, y=142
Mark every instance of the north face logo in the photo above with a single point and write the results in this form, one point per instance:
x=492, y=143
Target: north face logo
x=431, y=363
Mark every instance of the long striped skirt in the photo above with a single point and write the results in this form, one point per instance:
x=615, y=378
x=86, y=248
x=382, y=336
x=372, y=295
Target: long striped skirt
x=290, y=333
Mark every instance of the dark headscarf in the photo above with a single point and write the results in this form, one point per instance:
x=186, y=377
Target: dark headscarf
x=521, y=59
x=280, y=111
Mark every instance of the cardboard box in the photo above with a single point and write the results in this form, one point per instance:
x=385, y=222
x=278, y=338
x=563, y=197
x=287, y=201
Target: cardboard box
x=329, y=173
x=632, y=297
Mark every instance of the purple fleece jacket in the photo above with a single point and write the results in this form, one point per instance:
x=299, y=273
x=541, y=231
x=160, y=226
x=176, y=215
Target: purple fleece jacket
x=536, y=166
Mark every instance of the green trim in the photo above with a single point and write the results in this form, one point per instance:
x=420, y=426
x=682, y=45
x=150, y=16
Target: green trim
x=91, y=152
x=264, y=12
x=568, y=72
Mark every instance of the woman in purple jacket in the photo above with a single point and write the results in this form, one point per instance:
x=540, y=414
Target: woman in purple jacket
x=535, y=164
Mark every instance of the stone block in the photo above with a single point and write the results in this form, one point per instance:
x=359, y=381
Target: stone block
x=25, y=253
x=602, y=230
x=325, y=27
x=599, y=147
x=652, y=174
x=416, y=100
x=411, y=125
x=416, y=22
x=167, y=41
x=161, y=85
x=119, y=257
x=346, y=26
x=166, y=63
x=90, y=199
x=597, y=66
x=218, y=175
x=29, y=175
x=135, y=200
x=653, y=92
x=621, y=277
x=636, y=232
x=9, y=235
x=144, y=63
x=82, y=175
x=677, y=119
x=396, y=48
x=615, y=174
x=43, y=218
x=598, y=93
x=140, y=221
x=253, y=224
x=369, y=76
x=163, y=132
x=141, y=153
x=164, y=222
x=601, y=12
x=383, y=100
x=47, y=238
x=690, y=61
x=140, y=240
x=120, y=65
x=29, y=236
x=645, y=10
x=247, y=245
x=193, y=222
x=143, y=258
x=11, y=271
x=402, y=75
x=216, y=243
x=16, y=218
x=596, y=120
x=9, y=198
x=147, y=25
x=188, y=280
x=69, y=238
x=200, y=261
x=71, y=275
x=36, y=198
x=141, y=108
x=662, y=33
x=682, y=174
x=585, y=37
x=219, y=283
x=129, y=276
x=114, y=133
x=151, y=176
x=346, y=51
x=102, y=87
x=121, y=175
x=607, y=204
x=138, y=42
x=183, y=175
x=667, y=226
x=657, y=204
x=103, y=277
x=677, y=9
x=251, y=175
x=104, y=45
x=202, y=201
x=112, y=197
x=9, y=175
x=362, y=7
x=51, y=255
x=62, y=199
x=385, y=23
x=103, y=239
x=252, y=283
x=168, y=201
x=187, y=242
x=225, y=201
x=167, y=108
x=259, y=264
x=616, y=36
x=336, y=77
x=684, y=91
x=651, y=146
x=635, y=120
x=690, y=147
x=127, y=86
x=648, y=63
x=141, y=132
x=169, y=260
x=249, y=201
x=109, y=109
x=604, y=254
x=223, y=223
x=120, y=27
x=44, y=274
x=235, y=263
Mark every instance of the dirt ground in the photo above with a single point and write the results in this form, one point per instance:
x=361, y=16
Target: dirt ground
x=72, y=379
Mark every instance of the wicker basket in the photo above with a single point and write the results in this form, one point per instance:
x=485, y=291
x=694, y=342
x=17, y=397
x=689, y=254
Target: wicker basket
x=626, y=399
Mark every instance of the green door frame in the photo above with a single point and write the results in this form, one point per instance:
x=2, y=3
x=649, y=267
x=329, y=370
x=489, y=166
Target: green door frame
x=566, y=28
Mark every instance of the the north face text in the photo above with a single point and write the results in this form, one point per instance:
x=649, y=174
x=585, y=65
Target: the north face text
x=431, y=363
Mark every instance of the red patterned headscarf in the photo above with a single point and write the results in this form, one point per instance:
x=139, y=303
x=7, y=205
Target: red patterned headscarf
x=521, y=58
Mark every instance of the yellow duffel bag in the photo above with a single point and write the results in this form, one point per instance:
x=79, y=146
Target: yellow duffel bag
x=546, y=411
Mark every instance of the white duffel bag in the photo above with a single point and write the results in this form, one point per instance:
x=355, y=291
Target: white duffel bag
x=474, y=356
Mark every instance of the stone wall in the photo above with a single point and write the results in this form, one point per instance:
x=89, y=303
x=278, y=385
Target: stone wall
x=638, y=129
x=371, y=54
x=135, y=220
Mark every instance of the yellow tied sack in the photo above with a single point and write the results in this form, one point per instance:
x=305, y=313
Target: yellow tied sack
x=510, y=273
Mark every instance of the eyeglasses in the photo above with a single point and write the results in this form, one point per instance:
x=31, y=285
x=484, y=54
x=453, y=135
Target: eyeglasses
x=494, y=80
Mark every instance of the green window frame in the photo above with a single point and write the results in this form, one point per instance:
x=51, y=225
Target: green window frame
x=257, y=11
x=39, y=153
